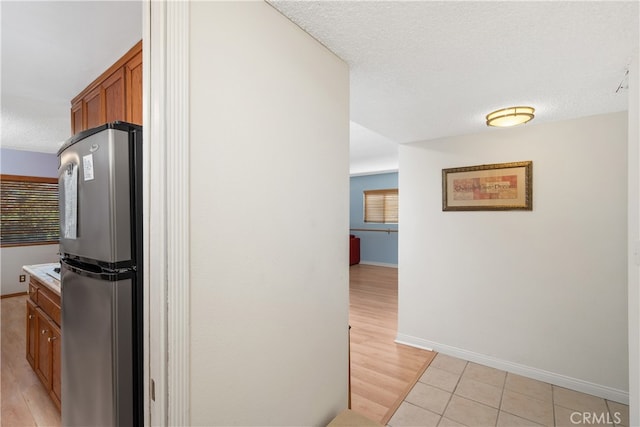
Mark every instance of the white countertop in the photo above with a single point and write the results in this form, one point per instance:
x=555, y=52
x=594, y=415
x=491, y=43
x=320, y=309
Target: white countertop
x=40, y=272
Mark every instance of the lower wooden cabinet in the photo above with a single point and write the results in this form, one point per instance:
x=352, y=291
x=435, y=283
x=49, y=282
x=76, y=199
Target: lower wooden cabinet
x=56, y=366
x=31, y=333
x=44, y=338
x=44, y=328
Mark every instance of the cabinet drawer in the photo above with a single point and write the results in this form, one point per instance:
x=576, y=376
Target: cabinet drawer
x=50, y=304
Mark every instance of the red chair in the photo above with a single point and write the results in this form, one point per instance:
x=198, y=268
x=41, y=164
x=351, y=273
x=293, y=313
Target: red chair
x=354, y=249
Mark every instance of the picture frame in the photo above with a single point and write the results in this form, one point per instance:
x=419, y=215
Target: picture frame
x=493, y=187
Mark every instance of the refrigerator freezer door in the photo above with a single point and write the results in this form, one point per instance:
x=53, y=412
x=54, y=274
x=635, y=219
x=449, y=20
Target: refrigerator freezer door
x=97, y=224
x=97, y=353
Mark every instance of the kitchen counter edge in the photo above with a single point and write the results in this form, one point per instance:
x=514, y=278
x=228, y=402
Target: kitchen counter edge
x=38, y=271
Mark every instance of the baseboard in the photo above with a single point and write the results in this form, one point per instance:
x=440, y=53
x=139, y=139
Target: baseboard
x=560, y=380
x=379, y=264
x=13, y=295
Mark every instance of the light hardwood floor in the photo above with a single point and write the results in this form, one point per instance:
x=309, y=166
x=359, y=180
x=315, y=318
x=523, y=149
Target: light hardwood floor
x=23, y=399
x=382, y=372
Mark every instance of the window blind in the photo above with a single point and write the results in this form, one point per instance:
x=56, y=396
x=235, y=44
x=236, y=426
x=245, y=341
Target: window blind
x=381, y=206
x=29, y=208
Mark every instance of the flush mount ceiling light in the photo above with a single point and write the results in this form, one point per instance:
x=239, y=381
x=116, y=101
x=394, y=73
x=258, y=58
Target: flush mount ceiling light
x=510, y=116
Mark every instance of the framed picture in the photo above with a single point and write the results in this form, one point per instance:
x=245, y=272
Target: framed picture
x=502, y=186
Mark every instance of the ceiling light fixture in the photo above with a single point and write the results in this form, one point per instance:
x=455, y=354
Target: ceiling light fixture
x=511, y=116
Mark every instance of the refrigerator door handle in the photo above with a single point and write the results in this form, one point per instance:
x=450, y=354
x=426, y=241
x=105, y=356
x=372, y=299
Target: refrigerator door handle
x=75, y=264
x=95, y=272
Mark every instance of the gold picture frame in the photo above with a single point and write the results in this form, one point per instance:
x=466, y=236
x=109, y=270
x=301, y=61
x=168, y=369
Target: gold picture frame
x=495, y=187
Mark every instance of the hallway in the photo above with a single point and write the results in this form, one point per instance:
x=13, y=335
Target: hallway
x=382, y=372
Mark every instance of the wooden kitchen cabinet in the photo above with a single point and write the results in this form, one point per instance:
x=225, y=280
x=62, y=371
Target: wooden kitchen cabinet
x=31, y=333
x=104, y=104
x=44, y=337
x=114, y=96
x=113, y=93
x=133, y=80
x=92, y=109
x=56, y=365
x=43, y=354
x=48, y=363
x=77, y=119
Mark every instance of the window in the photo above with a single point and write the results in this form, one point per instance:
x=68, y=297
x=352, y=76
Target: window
x=29, y=207
x=381, y=206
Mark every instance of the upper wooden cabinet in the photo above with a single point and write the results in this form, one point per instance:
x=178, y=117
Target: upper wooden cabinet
x=115, y=95
x=133, y=81
x=77, y=121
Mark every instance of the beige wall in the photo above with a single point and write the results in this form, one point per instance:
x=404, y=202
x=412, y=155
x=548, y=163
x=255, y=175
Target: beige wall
x=541, y=293
x=269, y=188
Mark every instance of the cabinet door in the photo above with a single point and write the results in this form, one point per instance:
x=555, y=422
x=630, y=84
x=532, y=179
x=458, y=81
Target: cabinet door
x=77, y=121
x=43, y=348
x=93, y=108
x=133, y=79
x=56, y=364
x=32, y=336
x=118, y=96
x=113, y=93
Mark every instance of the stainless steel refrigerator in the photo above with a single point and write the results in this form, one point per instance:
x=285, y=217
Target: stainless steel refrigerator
x=100, y=186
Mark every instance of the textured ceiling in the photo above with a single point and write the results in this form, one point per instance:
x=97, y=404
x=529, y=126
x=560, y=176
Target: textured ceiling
x=423, y=69
x=419, y=69
x=51, y=51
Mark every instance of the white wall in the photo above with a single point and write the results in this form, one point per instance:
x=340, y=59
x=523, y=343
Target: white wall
x=13, y=258
x=634, y=243
x=542, y=293
x=269, y=218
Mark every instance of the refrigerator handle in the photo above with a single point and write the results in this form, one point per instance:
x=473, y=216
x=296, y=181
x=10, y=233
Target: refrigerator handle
x=74, y=264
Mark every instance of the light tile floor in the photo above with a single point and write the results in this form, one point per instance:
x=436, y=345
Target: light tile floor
x=454, y=392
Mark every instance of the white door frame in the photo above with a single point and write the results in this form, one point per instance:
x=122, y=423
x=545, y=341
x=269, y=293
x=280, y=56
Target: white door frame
x=166, y=204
